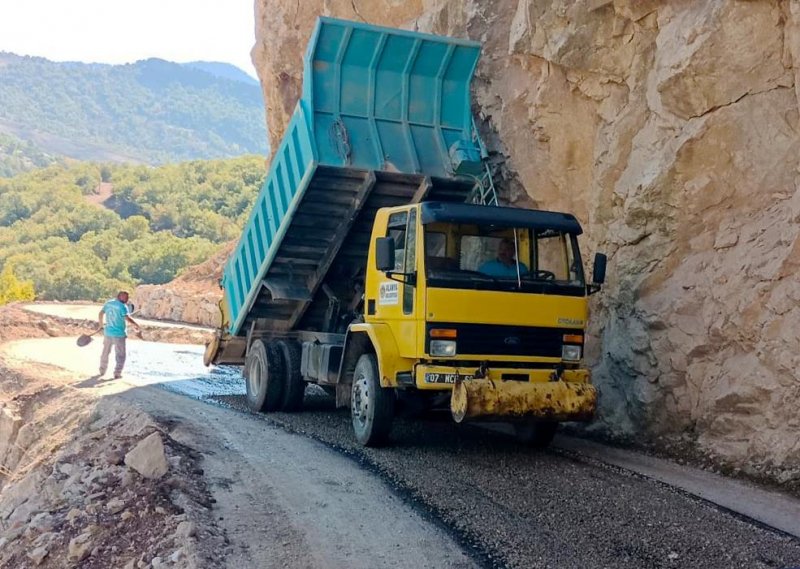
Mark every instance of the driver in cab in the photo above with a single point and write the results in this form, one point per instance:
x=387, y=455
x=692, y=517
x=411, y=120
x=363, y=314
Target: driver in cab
x=505, y=265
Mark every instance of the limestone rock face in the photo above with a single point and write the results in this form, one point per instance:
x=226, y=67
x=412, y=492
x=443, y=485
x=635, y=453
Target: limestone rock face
x=671, y=129
x=691, y=80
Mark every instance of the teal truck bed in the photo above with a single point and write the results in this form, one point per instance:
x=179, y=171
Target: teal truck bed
x=384, y=119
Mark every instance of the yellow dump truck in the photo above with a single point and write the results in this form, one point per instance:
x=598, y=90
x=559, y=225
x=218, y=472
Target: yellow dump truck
x=377, y=264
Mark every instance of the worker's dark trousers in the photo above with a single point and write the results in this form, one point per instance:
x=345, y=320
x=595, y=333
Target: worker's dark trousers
x=119, y=354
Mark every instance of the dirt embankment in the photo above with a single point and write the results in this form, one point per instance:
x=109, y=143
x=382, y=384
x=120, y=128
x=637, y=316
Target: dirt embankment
x=106, y=474
x=89, y=481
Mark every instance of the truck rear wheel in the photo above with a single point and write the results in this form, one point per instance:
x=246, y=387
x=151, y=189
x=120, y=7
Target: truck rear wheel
x=371, y=406
x=264, y=372
x=536, y=434
x=293, y=385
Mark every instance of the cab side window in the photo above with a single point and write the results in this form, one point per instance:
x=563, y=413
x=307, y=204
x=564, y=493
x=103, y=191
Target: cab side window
x=410, y=261
x=397, y=230
x=551, y=249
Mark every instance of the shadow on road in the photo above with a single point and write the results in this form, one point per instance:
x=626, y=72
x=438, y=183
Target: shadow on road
x=93, y=381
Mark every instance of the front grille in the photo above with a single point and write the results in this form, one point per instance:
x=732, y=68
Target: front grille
x=499, y=340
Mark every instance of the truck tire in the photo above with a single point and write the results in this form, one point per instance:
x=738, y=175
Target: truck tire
x=371, y=406
x=294, y=387
x=263, y=372
x=536, y=434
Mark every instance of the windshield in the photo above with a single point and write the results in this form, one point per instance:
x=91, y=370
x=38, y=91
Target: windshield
x=487, y=257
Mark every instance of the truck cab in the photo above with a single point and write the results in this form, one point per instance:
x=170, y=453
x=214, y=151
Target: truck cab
x=487, y=302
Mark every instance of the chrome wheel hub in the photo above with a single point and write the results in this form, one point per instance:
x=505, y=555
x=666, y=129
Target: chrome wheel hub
x=360, y=400
x=255, y=377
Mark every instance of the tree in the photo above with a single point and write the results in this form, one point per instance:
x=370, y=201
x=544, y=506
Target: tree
x=135, y=227
x=12, y=289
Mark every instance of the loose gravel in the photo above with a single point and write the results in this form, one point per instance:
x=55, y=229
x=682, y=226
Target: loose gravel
x=517, y=507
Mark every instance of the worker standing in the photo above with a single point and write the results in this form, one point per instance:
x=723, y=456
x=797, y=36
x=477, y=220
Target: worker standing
x=116, y=316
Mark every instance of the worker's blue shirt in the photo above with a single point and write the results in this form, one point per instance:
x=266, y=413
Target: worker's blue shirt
x=115, y=312
x=497, y=269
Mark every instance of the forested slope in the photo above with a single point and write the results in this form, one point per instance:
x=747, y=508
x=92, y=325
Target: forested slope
x=155, y=222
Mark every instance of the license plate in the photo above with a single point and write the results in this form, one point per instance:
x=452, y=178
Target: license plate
x=446, y=377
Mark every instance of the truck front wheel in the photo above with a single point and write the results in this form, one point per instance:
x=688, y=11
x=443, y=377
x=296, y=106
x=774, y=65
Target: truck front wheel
x=371, y=406
x=264, y=377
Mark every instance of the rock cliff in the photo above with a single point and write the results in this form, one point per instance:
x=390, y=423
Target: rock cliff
x=671, y=129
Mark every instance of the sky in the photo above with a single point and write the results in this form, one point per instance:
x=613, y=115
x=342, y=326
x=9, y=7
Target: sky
x=123, y=31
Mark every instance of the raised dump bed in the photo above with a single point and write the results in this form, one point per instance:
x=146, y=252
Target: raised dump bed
x=384, y=120
x=342, y=278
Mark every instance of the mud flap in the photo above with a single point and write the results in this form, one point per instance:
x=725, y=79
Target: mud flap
x=225, y=349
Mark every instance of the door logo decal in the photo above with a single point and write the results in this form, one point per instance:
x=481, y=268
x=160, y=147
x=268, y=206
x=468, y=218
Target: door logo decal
x=388, y=293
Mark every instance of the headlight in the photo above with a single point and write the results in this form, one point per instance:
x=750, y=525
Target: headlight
x=571, y=353
x=443, y=348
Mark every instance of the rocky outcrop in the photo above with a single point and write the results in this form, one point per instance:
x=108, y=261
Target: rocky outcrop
x=671, y=129
x=176, y=303
x=193, y=297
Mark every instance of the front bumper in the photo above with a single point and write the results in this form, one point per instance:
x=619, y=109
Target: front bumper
x=531, y=394
x=516, y=400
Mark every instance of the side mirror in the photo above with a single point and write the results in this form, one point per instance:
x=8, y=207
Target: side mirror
x=599, y=271
x=384, y=254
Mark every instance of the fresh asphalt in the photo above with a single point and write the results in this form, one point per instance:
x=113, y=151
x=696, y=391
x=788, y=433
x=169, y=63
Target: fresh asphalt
x=511, y=506
x=516, y=507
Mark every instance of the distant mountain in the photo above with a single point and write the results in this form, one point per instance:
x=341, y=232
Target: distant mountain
x=223, y=71
x=152, y=111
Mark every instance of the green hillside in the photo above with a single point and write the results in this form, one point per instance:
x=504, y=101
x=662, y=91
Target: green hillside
x=151, y=111
x=146, y=225
x=20, y=156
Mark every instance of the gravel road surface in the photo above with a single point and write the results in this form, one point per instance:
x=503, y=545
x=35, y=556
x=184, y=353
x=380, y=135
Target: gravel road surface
x=504, y=504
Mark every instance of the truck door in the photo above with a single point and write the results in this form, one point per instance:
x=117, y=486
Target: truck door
x=397, y=301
